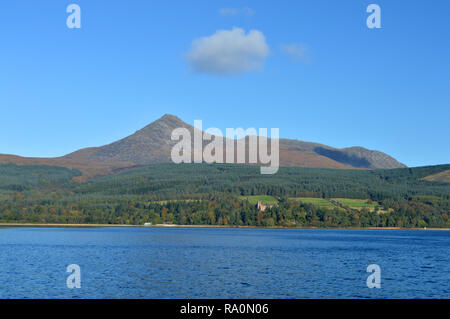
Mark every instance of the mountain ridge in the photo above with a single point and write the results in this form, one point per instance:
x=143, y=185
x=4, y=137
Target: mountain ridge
x=152, y=144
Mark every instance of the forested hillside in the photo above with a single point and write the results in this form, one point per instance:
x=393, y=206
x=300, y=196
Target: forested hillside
x=225, y=194
x=165, y=181
x=20, y=178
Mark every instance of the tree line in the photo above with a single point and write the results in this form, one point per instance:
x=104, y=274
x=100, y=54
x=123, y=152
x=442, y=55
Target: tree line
x=200, y=194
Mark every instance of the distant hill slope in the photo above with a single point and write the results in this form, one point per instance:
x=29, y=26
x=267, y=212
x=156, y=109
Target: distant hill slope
x=171, y=181
x=443, y=177
x=152, y=144
x=89, y=169
x=19, y=178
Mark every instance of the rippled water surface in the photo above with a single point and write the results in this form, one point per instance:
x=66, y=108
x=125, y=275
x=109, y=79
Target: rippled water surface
x=223, y=263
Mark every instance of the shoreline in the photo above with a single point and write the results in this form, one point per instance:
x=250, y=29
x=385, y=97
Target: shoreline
x=201, y=226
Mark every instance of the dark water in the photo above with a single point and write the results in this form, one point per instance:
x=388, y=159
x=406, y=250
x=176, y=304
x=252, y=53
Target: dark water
x=223, y=263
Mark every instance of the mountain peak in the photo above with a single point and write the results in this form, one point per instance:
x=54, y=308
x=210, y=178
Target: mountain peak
x=167, y=121
x=153, y=144
x=169, y=117
x=164, y=125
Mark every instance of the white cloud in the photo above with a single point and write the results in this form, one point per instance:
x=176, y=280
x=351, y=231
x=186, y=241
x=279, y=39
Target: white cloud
x=295, y=51
x=229, y=52
x=237, y=11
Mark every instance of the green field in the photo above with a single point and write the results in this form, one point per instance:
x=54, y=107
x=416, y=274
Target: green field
x=264, y=199
x=356, y=203
x=320, y=202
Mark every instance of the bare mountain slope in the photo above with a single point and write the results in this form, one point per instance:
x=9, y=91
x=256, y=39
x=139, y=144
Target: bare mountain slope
x=153, y=144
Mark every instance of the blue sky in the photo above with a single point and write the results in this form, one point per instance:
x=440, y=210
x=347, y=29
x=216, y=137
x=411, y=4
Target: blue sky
x=388, y=89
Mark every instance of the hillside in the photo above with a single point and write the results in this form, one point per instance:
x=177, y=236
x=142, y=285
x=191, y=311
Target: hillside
x=443, y=177
x=152, y=144
x=225, y=194
x=172, y=181
x=89, y=169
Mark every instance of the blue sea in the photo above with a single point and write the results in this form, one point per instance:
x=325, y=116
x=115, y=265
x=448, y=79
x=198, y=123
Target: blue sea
x=127, y=262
